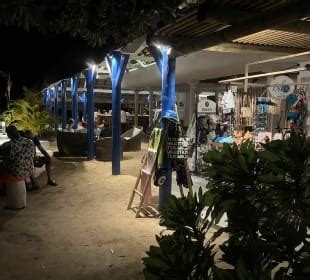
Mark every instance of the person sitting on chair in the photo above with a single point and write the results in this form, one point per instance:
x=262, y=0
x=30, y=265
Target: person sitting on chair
x=18, y=156
x=39, y=161
x=105, y=131
x=70, y=124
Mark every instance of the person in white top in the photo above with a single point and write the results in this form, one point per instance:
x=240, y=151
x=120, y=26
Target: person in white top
x=70, y=124
x=96, y=113
x=123, y=121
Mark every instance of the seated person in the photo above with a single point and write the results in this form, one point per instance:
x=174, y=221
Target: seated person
x=105, y=131
x=70, y=124
x=84, y=123
x=18, y=155
x=39, y=161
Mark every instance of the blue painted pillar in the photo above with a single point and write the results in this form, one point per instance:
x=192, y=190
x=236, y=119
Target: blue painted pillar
x=166, y=65
x=56, y=101
x=63, y=86
x=83, y=99
x=90, y=75
x=44, y=93
x=48, y=101
x=74, y=88
x=117, y=63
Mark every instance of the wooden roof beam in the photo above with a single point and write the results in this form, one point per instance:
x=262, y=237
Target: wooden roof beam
x=268, y=20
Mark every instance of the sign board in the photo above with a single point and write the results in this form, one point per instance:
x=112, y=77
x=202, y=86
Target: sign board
x=206, y=103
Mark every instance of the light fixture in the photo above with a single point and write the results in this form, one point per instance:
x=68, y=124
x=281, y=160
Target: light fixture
x=192, y=2
x=158, y=46
x=183, y=5
x=161, y=47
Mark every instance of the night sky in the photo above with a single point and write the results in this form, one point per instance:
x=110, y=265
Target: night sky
x=35, y=60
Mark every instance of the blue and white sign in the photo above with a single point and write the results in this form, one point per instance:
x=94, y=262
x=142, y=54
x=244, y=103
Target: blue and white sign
x=281, y=87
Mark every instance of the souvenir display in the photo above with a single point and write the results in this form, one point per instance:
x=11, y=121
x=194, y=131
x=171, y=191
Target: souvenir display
x=264, y=114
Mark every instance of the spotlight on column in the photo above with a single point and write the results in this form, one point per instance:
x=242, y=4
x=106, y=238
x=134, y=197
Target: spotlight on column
x=161, y=47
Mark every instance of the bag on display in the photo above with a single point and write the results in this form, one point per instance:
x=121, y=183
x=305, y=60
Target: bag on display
x=246, y=112
x=181, y=174
x=178, y=146
x=160, y=177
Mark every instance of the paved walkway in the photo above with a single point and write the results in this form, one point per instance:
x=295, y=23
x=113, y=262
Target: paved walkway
x=79, y=230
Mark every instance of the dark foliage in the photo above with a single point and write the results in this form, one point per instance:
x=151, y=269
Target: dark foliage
x=266, y=196
x=45, y=41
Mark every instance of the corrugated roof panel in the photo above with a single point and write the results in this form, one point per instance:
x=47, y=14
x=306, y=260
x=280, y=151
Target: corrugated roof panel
x=278, y=38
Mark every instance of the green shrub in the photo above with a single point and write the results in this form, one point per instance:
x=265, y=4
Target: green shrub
x=266, y=196
x=29, y=113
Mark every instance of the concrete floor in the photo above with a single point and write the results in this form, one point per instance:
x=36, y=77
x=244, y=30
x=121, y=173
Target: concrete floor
x=80, y=229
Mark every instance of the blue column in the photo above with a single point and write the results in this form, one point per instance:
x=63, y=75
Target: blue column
x=63, y=86
x=44, y=93
x=166, y=65
x=117, y=63
x=48, y=101
x=83, y=99
x=56, y=100
x=90, y=75
x=74, y=88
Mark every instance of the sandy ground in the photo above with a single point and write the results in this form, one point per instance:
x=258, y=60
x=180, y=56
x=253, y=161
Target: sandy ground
x=81, y=229
x=78, y=230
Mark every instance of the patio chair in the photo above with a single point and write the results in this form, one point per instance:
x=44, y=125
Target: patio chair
x=103, y=148
x=72, y=144
x=134, y=139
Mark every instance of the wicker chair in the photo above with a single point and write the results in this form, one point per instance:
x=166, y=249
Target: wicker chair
x=134, y=139
x=103, y=148
x=72, y=144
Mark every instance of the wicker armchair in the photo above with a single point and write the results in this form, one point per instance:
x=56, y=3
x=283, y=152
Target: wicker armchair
x=134, y=139
x=72, y=144
x=103, y=148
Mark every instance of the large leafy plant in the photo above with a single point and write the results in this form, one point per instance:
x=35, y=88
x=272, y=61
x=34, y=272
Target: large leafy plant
x=29, y=114
x=185, y=253
x=266, y=196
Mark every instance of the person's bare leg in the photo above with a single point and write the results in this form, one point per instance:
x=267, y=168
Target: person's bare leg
x=48, y=173
x=48, y=170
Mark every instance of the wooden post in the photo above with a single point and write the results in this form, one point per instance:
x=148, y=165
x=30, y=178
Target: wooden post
x=150, y=107
x=136, y=107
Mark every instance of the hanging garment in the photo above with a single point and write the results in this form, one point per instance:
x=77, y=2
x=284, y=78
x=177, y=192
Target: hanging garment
x=292, y=113
x=262, y=104
x=274, y=109
x=246, y=112
x=228, y=102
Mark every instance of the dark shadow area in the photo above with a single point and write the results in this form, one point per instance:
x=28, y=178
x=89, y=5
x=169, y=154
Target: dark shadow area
x=6, y=214
x=71, y=159
x=129, y=271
